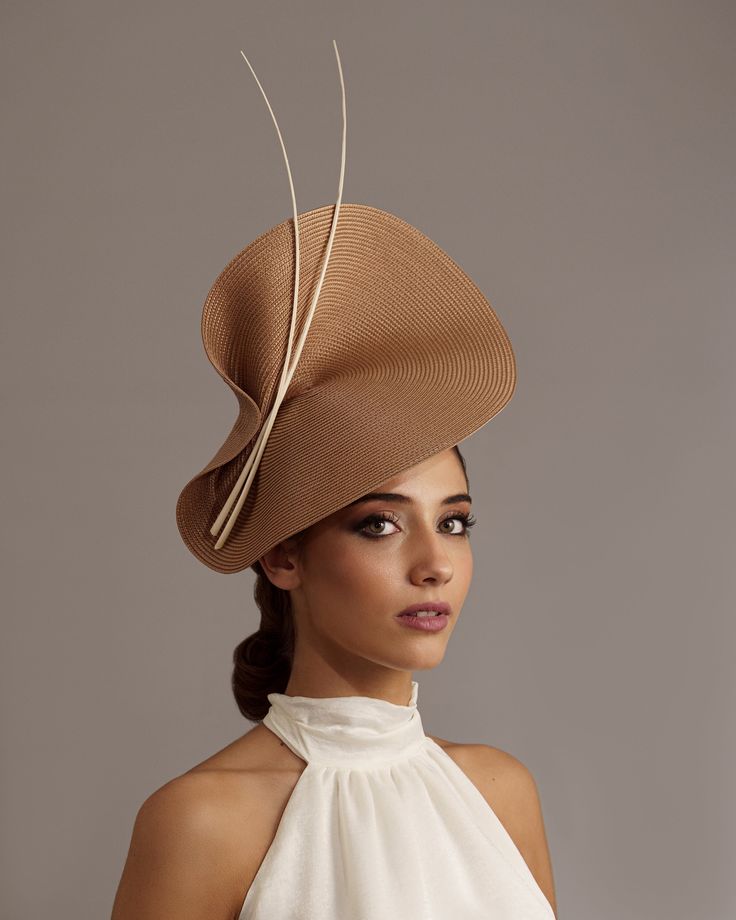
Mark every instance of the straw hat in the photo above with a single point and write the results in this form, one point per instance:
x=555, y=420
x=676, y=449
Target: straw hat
x=399, y=356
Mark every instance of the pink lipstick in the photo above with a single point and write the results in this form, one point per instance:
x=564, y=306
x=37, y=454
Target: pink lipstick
x=429, y=616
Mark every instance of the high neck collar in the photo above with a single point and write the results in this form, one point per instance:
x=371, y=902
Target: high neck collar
x=346, y=730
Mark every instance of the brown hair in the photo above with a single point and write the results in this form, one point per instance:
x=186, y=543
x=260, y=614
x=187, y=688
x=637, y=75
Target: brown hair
x=262, y=661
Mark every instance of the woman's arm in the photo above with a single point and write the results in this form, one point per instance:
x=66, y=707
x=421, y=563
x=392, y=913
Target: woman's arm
x=182, y=863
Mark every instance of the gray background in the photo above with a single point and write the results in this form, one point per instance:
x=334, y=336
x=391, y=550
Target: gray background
x=577, y=160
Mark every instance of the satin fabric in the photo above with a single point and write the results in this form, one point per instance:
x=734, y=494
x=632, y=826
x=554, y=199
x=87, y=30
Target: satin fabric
x=383, y=825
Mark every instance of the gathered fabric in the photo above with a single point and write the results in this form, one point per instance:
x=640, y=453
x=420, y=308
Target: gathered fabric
x=382, y=824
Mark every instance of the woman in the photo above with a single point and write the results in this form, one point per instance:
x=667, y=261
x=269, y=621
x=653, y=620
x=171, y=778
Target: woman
x=201, y=839
x=342, y=486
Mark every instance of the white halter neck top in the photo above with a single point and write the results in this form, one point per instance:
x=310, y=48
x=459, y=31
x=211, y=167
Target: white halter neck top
x=383, y=825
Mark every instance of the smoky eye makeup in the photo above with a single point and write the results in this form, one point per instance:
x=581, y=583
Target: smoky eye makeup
x=378, y=519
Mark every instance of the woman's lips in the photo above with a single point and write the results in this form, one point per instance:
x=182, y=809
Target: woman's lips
x=439, y=606
x=427, y=624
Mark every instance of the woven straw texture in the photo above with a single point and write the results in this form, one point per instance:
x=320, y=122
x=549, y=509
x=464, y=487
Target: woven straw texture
x=404, y=358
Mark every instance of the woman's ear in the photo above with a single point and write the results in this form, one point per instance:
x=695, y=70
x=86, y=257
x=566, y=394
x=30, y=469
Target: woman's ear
x=280, y=564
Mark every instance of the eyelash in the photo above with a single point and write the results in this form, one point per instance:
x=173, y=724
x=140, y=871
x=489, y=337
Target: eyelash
x=467, y=519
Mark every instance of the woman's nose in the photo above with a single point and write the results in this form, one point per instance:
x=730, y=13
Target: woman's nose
x=430, y=560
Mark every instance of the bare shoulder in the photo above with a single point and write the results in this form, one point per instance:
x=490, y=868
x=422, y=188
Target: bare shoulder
x=504, y=779
x=511, y=790
x=198, y=840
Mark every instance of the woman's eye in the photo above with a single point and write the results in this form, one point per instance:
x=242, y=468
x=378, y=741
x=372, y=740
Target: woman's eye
x=378, y=521
x=465, y=520
x=374, y=524
x=454, y=520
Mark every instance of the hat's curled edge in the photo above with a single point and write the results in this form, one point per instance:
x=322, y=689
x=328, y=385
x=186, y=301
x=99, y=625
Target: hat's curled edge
x=404, y=358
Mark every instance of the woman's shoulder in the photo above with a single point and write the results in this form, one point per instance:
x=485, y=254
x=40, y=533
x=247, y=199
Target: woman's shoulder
x=182, y=857
x=208, y=828
x=510, y=788
x=485, y=757
x=506, y=783
x=238, y=792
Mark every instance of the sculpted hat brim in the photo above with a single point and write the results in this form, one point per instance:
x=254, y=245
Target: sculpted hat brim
x=404, y=358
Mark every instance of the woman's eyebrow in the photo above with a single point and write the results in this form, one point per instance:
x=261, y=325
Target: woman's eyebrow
x=404, y=499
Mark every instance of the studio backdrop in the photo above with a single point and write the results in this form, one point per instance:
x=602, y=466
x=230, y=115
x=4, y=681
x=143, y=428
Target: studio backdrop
x=576, y=159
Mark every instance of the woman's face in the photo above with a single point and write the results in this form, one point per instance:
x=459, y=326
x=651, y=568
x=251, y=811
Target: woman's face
x=354, y=571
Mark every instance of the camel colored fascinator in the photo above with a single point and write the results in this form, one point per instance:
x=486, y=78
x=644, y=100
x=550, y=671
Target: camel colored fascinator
x=356, y=348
